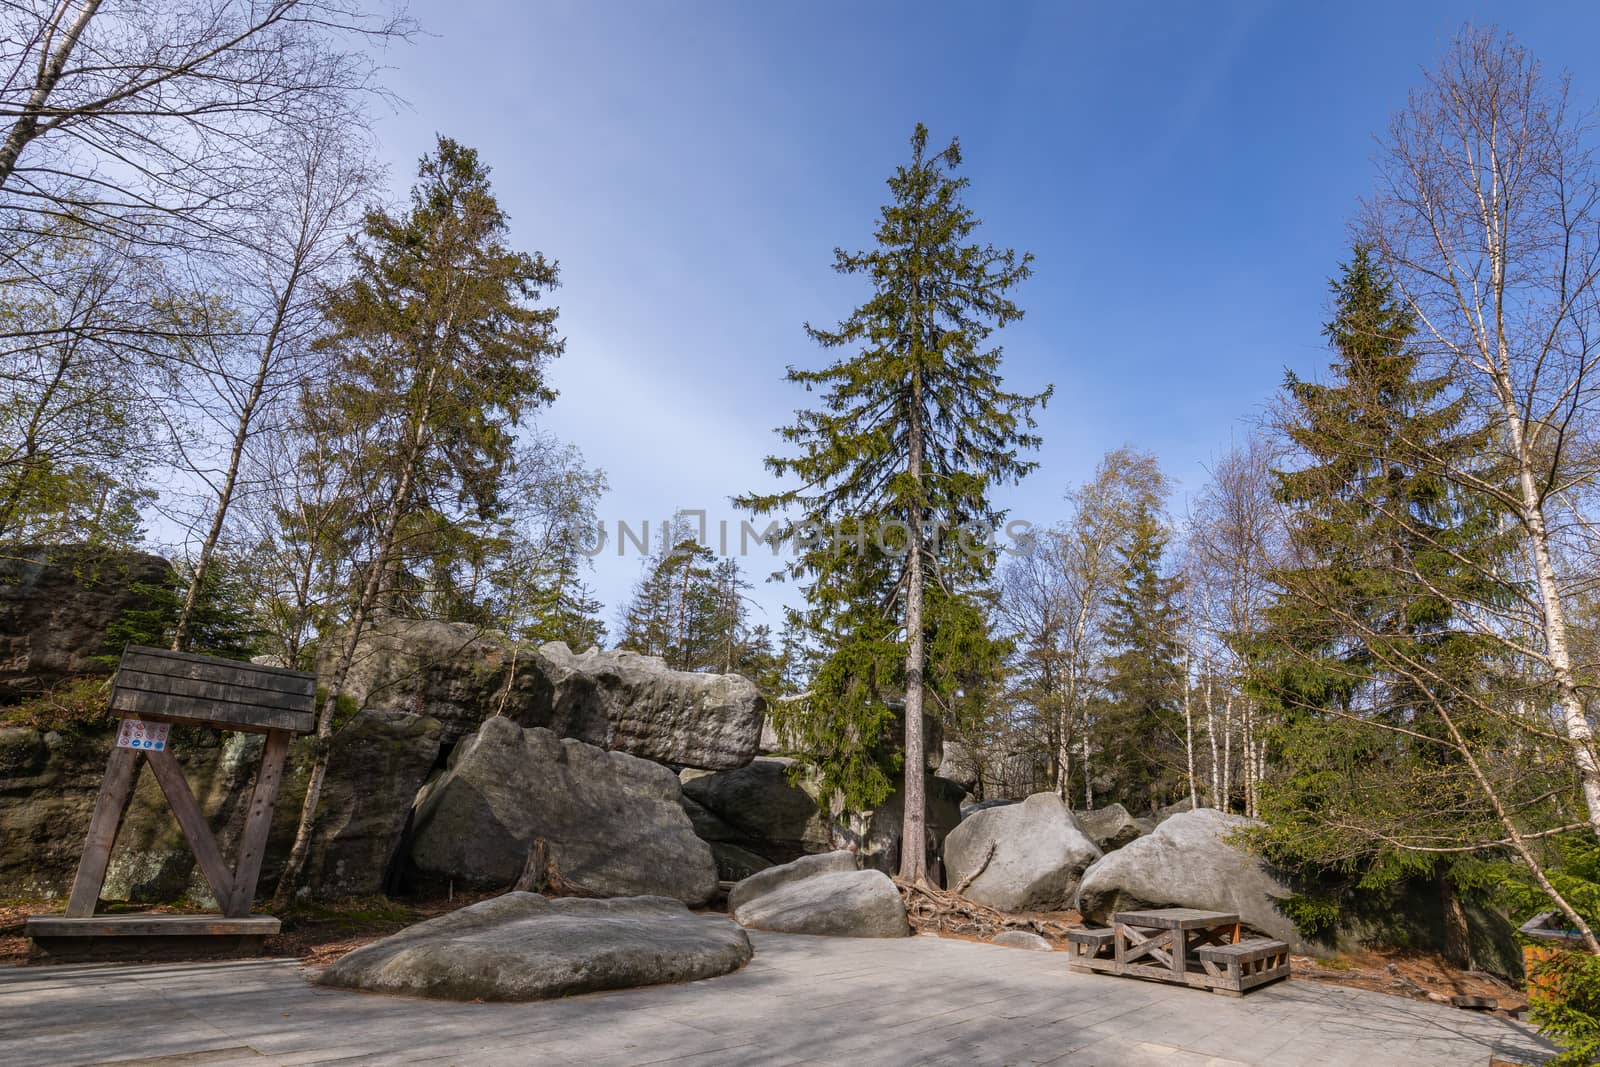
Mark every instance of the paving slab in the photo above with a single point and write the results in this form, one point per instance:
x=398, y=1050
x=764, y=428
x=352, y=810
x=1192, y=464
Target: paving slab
x=802, y=1000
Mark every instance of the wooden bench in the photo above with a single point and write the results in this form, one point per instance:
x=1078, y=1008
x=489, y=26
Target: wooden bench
x=1092, y=950
x=1244, y=965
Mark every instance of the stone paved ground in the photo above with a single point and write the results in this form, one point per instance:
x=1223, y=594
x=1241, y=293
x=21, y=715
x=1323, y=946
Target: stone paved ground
x=803, y=1000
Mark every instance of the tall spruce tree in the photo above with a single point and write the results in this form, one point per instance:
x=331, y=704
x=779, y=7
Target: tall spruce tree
x=1140, y=723
x=438, y=352
x=1366, y=667
x=914, y=430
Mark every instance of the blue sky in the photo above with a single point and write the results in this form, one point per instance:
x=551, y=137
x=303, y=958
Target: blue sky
x=1184, y=174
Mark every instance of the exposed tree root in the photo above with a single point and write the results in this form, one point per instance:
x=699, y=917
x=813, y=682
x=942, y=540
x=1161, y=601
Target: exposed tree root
x=939, y=911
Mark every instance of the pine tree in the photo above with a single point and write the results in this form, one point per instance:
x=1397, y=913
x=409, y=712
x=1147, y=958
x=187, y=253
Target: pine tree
x=914, y=429
x=438, y=352
x=1366, y=653
x=1140, y=722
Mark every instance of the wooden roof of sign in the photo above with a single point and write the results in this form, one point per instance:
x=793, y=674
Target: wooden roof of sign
x=180, y=687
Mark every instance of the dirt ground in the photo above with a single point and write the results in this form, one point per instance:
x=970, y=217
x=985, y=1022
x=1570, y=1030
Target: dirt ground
x=320, y=934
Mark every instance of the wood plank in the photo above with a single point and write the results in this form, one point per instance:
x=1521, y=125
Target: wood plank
x=168, y=707
x=253, y=842
x=216, y=669
x=115, y=789
x=222, y=692
x=149, y=925
x=1175, y=918
x=193, y=824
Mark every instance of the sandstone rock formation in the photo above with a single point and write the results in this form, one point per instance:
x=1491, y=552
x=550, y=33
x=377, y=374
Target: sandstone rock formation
x=521, y=946
x=610, y=824
x=1108, y=827
x=681, y=717
x=378, y=762
x=56, y=603
x=462, y=675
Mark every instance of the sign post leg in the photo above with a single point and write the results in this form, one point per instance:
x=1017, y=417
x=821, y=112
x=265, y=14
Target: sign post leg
x=114, y=793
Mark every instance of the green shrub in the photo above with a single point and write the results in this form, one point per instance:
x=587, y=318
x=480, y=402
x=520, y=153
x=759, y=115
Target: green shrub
x=1315, y=917
x=1565, y=1005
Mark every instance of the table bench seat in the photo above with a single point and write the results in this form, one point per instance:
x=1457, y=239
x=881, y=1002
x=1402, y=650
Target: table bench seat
x=1244, y=965
x=1092, y=950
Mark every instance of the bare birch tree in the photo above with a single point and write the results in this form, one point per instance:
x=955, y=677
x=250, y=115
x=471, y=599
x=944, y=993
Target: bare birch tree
x=1488, y=214
x=257, y=356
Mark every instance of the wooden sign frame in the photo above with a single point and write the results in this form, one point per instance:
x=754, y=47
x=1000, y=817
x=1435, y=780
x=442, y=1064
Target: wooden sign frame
x=158, y=685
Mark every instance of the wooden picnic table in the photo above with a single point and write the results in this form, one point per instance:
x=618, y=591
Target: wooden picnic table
x=1183, y=945
x=1160, y=943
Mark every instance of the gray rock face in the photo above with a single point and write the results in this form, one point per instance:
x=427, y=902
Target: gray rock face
x=683, y=717
x=455, y=672
x=1108, y=827
x=758, y=808
x=48, y=783
x=1025, y=857
x=521, y=946
x=821, y=894
x=1025, y=939
x=1186, y=862
x=55, y=604
x=378, y=762
x=612, y=824
x=876, y=834
x=462, y=675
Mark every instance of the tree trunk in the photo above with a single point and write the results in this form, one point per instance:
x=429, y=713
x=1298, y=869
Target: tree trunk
x=1580, y=735
x=1227, y=753
x=1457, y=936
x=51, y=64
x=914, y=833
x=1211, y=735
x=335, y=687
x=1188, y=734
x=241, y=436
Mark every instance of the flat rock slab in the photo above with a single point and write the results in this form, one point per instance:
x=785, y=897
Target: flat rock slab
x=521, y=946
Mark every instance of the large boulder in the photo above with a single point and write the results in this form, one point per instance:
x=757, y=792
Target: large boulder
x=1108, y=827
x=823, y=894
x=1022, y=857
x=610, y=824
x=56, y=602
x=378, y=762
x=521, y=946
x=682, y=717
x=462, y=675
x=759, y=808
x=764, y=810
x=1188, y=862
